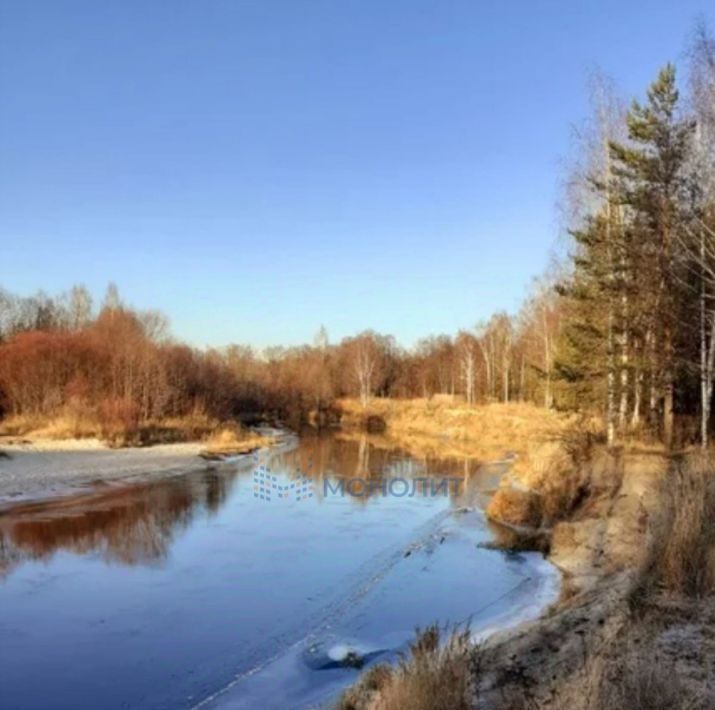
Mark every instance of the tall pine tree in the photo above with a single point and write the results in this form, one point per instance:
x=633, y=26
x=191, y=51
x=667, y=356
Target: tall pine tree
x=650, y=170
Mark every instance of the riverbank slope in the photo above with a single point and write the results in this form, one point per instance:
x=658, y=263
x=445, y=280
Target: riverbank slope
x=628, y=529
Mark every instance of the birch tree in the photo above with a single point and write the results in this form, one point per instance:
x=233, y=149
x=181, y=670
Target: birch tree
x=467, y=349
x=365, y=364
x=700, y=242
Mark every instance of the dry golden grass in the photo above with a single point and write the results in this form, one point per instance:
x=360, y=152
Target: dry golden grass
x=65, y=425
x=514, y=507
x=682, y=559
x=196, y=426
x=641, y=681
x=449, y=427
x=572, y=476
x=551, y=451
x=231, y=441
x=434, y=676
x=634, y=679
x=118, y=426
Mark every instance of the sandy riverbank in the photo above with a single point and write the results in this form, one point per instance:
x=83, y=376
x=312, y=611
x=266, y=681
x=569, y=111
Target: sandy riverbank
x=44, y=468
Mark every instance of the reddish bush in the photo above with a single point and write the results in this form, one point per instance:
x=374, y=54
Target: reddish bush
x=119, y=421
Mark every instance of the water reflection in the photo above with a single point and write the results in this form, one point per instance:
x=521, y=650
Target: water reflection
x=128, y=525
x=157, y=594
x=372, y=460
x=369, y=458
x=136, y=524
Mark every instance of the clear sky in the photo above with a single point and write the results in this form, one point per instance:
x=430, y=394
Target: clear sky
x=255, y=169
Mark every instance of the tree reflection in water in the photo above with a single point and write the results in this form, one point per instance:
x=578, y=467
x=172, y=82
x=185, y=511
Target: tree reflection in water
x=136, y=524
x=129, y=525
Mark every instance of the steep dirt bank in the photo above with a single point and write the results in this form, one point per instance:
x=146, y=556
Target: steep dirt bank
x=557, y=660
x=603, y=645
x=619, y=636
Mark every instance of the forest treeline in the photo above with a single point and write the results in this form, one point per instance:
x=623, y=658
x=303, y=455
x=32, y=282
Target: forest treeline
x=60, y=353
x=623, y=328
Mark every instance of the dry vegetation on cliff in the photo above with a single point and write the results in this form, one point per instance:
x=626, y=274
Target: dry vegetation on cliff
x=635, y=625
x=554, y=469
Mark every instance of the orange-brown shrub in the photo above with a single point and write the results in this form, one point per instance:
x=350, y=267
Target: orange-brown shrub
x=119, y=421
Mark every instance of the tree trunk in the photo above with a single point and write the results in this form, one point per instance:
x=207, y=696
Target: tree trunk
x=708, y=382
x=610, y=383
x=507, y=367
x=669, y=390
x=704, y=399
x=611, y=355
x=637, y=394
x=548, y=401
x=624, y=344
x=652, y=389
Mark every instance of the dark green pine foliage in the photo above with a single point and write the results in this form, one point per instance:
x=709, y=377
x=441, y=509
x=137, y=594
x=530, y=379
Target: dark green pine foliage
x=581, y=364
x=627, y=253
x=652, y=175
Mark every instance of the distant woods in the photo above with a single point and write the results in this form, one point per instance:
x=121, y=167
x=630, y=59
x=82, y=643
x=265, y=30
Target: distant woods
x=64, y=354
x=624, y=328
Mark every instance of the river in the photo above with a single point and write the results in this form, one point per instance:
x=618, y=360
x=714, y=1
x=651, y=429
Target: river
x=254, y=584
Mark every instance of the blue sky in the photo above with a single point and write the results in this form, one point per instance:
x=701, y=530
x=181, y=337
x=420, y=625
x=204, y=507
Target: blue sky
x=255, y=169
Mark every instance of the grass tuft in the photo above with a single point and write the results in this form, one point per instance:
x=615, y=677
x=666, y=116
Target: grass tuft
x=434, y=675
x=682, y=559
x=232, y=441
